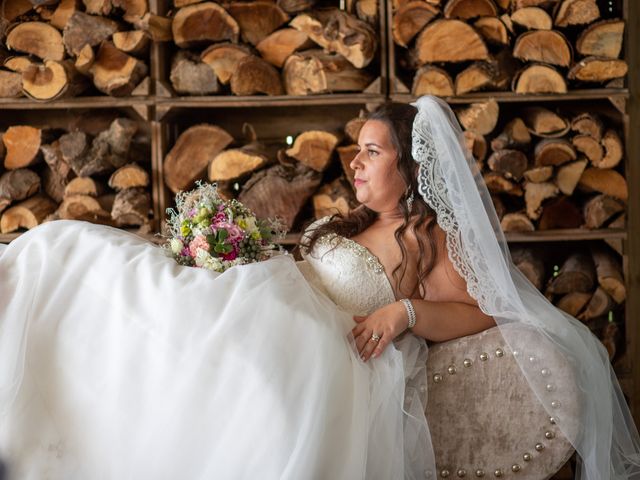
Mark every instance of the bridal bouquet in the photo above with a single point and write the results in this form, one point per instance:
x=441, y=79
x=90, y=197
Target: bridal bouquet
x=209, y=232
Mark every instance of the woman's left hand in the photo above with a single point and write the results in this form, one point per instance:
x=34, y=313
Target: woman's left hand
x=387, y=323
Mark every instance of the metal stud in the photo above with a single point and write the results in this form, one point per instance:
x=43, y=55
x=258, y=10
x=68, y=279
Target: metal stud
x=550, y=387
x=526, y=457
x=467, y=362
x=553, y=420
x=479, y=473
x=515, y=468
x=555, y=404
x=444, y=473
x=423, y=388
x=545, y=372
x=499, y=352
x=437, y=378
x=539, y=447
x=451, y=369
x=484, y=356
x=461, y=473
x=516, y=353
x=532, y=358
x=549, y=435
x=498, y=473
x=428, y=474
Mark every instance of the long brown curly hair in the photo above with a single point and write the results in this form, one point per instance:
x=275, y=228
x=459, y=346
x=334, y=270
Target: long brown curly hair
x=399, y=119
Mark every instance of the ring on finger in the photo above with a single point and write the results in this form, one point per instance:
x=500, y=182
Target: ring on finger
x=375, y=337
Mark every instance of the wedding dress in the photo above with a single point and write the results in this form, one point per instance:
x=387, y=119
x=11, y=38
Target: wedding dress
x=118, y=363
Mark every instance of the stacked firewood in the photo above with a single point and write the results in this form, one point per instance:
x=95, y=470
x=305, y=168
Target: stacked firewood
x=62, y=48
x=273, y=48
x=546, y=170
x=587, y=284
x=48, y=175
x=529, y=46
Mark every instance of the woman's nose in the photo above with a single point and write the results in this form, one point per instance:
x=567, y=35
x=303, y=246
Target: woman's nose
x=355, y=162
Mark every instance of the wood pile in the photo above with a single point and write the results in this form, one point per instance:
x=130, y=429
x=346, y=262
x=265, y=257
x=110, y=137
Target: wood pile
x=63, y=48
x=528, y=46
x=50, y=174
x=273, y=48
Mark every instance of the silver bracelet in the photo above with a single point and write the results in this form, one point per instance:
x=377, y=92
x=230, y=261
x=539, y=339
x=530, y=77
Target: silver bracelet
x=411, y=313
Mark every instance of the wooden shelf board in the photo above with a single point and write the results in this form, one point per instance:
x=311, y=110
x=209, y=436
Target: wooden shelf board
x=152, y=237
x=269, y=101
x=77, y=102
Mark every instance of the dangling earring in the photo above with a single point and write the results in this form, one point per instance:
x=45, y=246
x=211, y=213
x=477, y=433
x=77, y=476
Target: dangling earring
x=410, y=202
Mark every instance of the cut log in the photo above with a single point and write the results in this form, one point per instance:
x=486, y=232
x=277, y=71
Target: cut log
x=12, y=9
x=223, y=59
x=538, y=78
x=544, y=123
x=602, y=39
x=510, y=163
x=237, y=162
x=83, y=29
x=257, y=19
x=352, y=127
x=17, y=185
x=191, y=76
x=18, y=64
x=468, y=9
x=506, y=67
x=53, y=184
x=63, y=12
x=118, y=139
x=98, y=7
x=574, y=303
x=475, y=77
x=10, y=84
x=616, y=243
x=314, y=149
x=157, y=27
x=609, y=272
x=116, y=73
x=496, y=183
x=599, y=209
x=610, y=338
x=22, y=144
x=539, y=174
x=613, y=150
x=598, y=69
x=431, y=80
x=518, y=4
x=578, y=274
x=80, y=207
x=27, y=214
x=589, y=147
x=295, y=6
x=569, y=175
x=347, y=154
x=530, y=264
x=506, y=19
x=588, y=124
x=532, y=18
x=131, y=207
x=84, y=159
x=554, y=151
x=477, y=145
x=535, y=194
x=367, y=11
x=337, y=31
x=53, y=157
x=498, y=205
x=133, y=42
x=516, y=222
x=604, y=180
x=132, y=8
x=315, y=72
x=493, y=30
x=253, y=75
x=280, y=44
x=561, y=212
x=409, y=19
x=190, y=156
x=600, y=304
x=36, y=38
x=52, y=80
x=514, y=134
x=480, y=117
x=332, y=198
x=129, y=176
x=203, y=23
x=84, y=60
x=576, y=12
x=434, y=43
x=280, y=191
x=83, y=186
x=546, y=46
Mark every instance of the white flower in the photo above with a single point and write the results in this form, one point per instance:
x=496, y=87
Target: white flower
x=202, y=257
x=176, y=245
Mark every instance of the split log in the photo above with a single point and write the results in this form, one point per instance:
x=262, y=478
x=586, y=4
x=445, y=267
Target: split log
x=475, y=77
x=499, y=207
x=315, y=72
x=131, y=175
x=332, y=198
x=539, y=174
x=280, y=44
x=505, y=67
x=347, y=154
x=577, y=274
x=604, y=180
x=367, y=11
x=223, y=59
x=27, y=214
x=337, y=31
x=22, y=144
x=588, y=124
x=257, y=19
x=280, y=191
x=155, y=26
x=510, y=163
x=409, y=19
x=133, y=42
x=544, y=123
x=63, y=12
x=598, y=69
x=561, y=212
x=36, y=38
x=468, y=9
x=431, y=80
x=352, y=127
x=83, y=207
x=516, y=222
x=131, y=207
x=480, y=117
x=83, y=29
x=477, y=145
x=609, y=272
x=84, y=60
x=191, y=76
x=54, y=158
x=530, y=264
x=83, y=186
x=189, y=158
x=205, y=22
x=253, y=75
x=116, y=73
x=532, y=18
x=613, y=150
x=546, y=46
x=599, y=209
x=600, y=304
x=610, y=338
x=54, y=184
x=514, y=134
x=314, y=149
x=602, y=39
x=132, y=8
x=98, y=7
x=616, y=243
x=17, y=185
x=569, y=175
x=14, y=9
x=237, y=162
x=18, y=64
x=496, y=183
x=589, y=147
x=118, y=139
x=10, y=84
x=535, y=194
x=52, y=80
x=574, y=303
x=434, y=43
x=493, y=30
x=84, y=159
x=538, y=78
x=295, y=6
x=576, y=12
x=554, y=151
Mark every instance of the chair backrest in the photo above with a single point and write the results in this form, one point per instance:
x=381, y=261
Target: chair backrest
x=485, y=420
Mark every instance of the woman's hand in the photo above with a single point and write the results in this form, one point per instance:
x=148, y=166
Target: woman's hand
x=387, y=323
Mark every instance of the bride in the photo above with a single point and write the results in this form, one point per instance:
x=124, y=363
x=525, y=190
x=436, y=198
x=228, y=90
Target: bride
x=116, y=362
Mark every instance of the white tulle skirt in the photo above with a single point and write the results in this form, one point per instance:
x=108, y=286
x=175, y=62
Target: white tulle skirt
x=117, y=363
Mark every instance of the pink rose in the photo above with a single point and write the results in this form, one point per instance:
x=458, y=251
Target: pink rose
x=234, y=233
x=199, y=242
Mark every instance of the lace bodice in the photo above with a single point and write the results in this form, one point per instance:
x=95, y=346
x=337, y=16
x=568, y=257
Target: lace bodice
x=347, y=272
